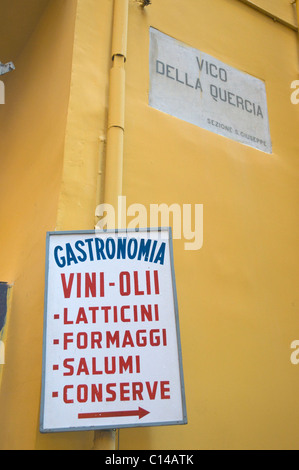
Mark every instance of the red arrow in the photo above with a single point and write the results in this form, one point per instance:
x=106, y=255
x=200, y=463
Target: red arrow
x=114, y=414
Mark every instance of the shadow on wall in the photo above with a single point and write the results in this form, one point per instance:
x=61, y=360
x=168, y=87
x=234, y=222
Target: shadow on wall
x=3, y=311
x=3, y=304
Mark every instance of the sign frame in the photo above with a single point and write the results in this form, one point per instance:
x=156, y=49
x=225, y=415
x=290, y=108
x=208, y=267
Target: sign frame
x=184, y=420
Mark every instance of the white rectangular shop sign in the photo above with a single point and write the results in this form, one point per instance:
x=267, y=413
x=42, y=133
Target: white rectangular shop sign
x=195, y=87
x=112, y=354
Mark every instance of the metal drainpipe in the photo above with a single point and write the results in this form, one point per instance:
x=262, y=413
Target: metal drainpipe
x=116, y=112
x=105, y=440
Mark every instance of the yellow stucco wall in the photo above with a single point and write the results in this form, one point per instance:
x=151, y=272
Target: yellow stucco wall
x=282, y=9
x=32, y=134
x=238, y=295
